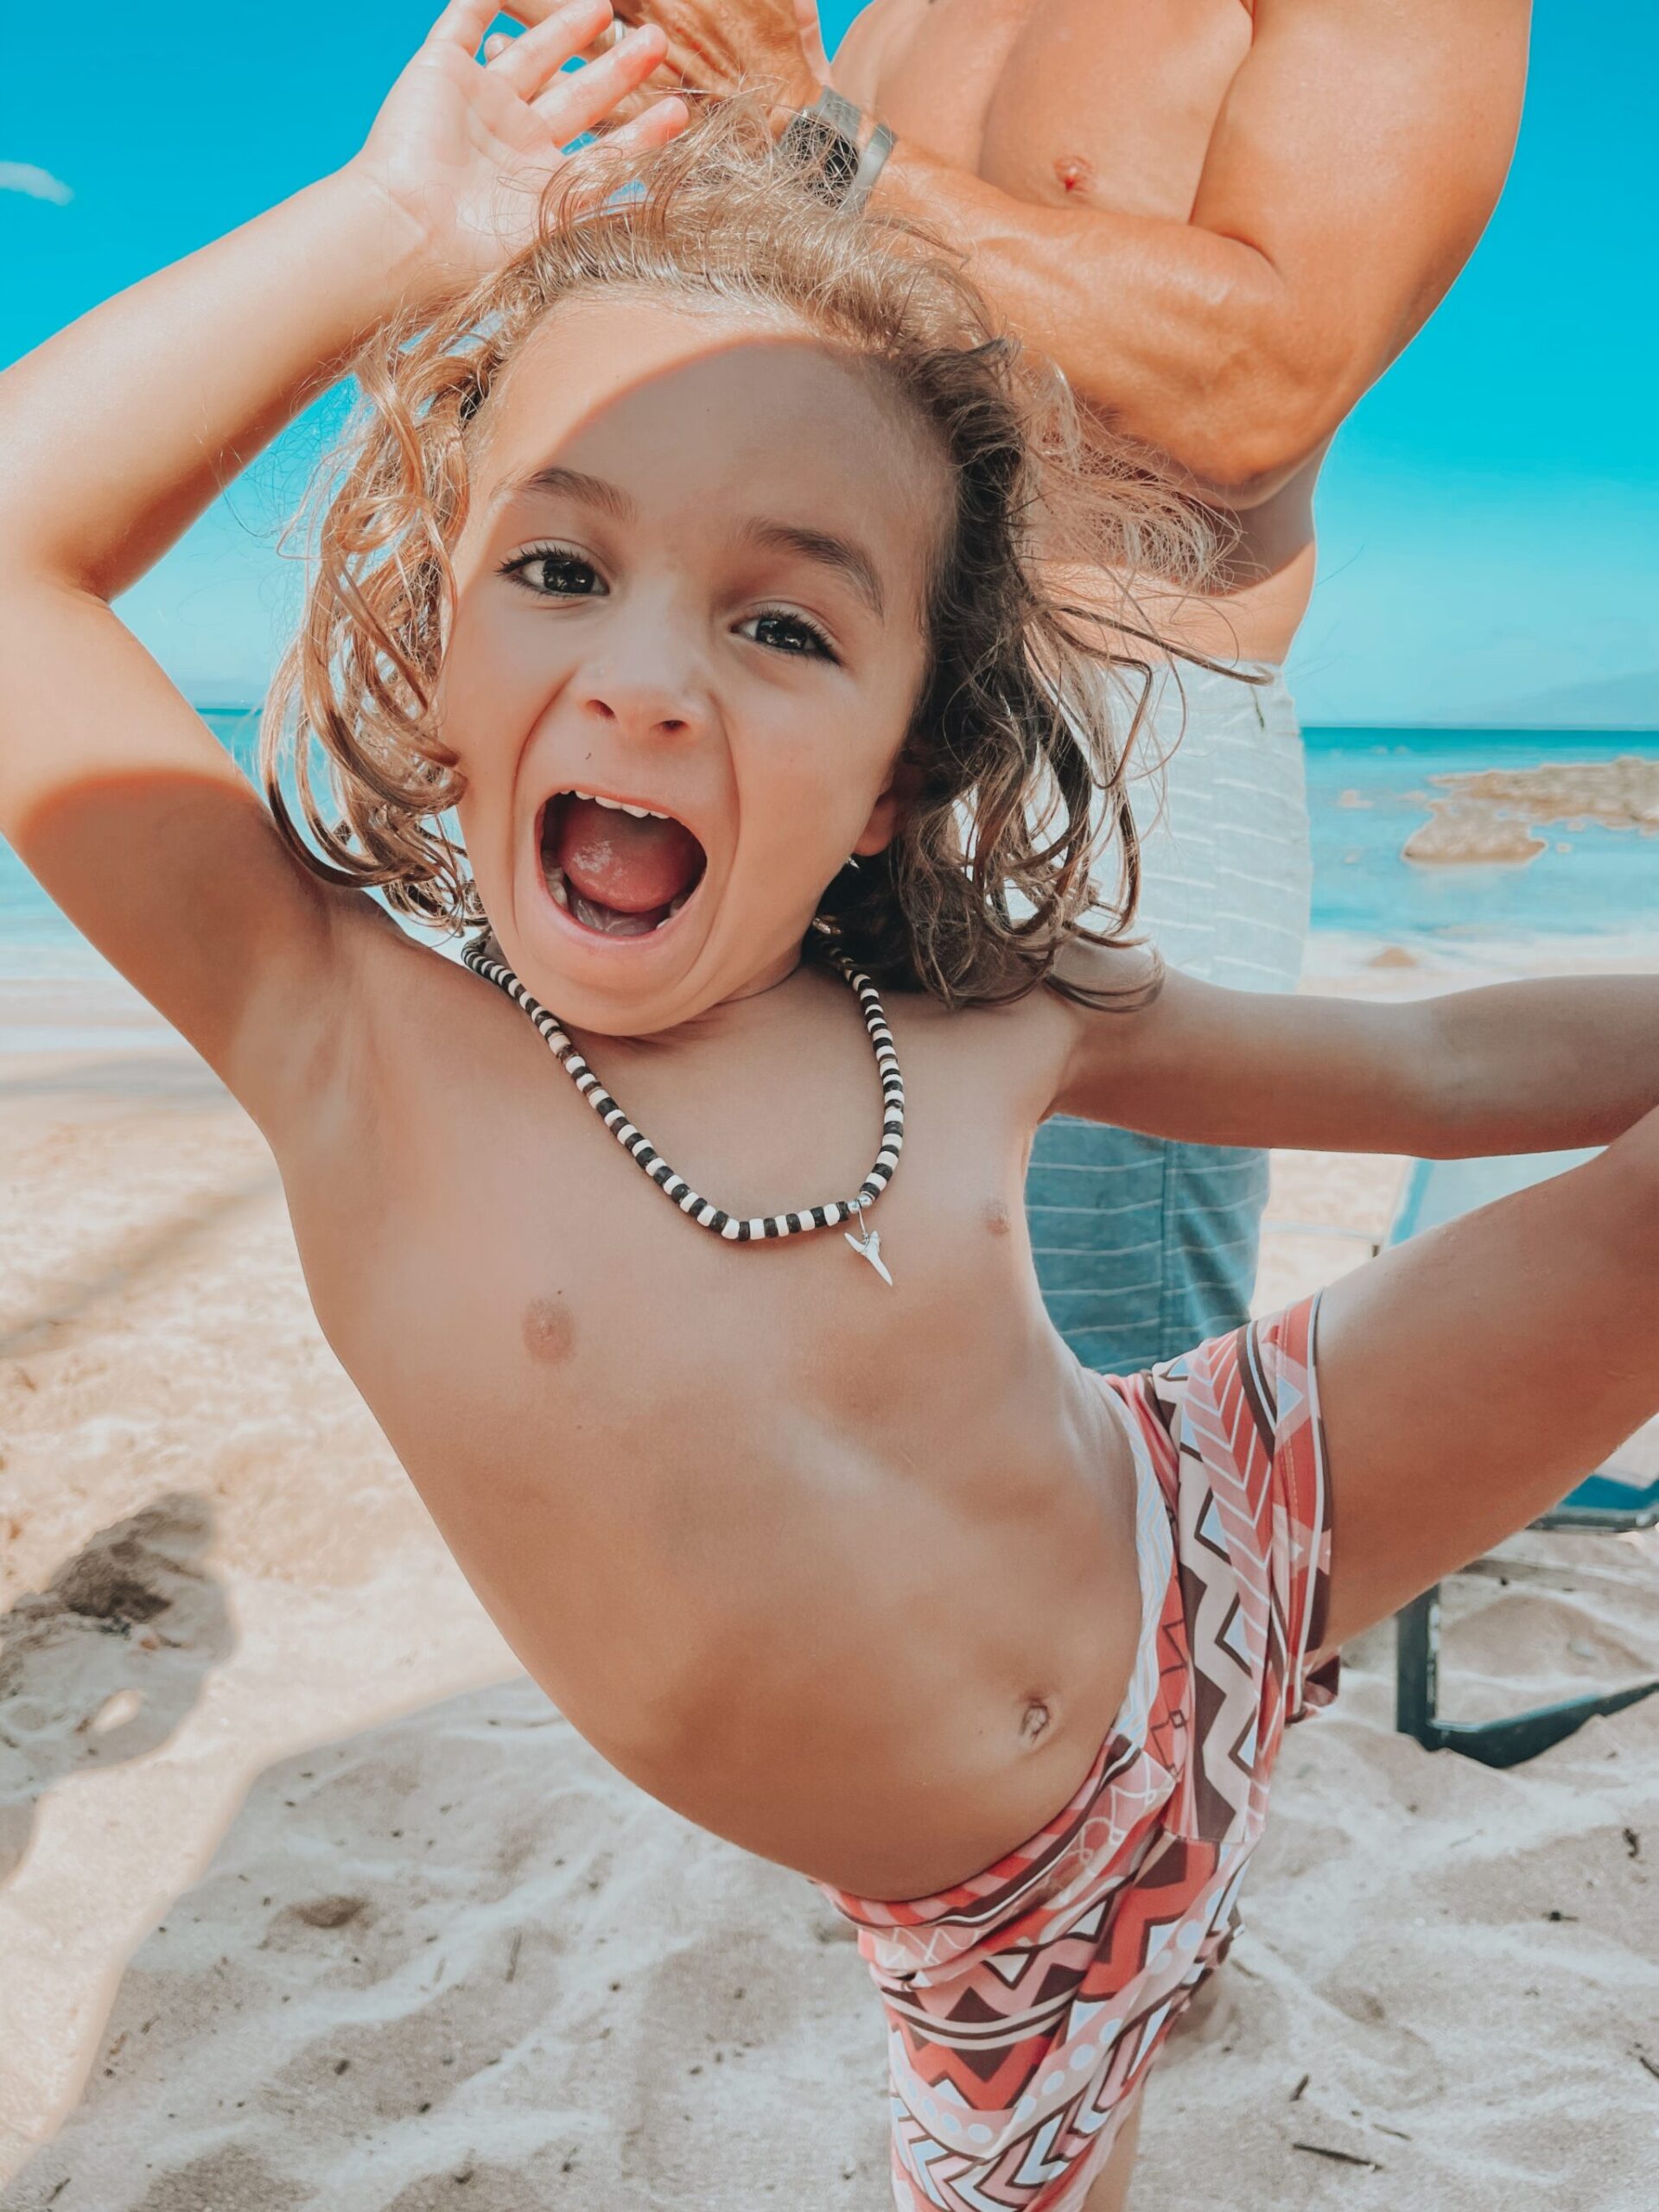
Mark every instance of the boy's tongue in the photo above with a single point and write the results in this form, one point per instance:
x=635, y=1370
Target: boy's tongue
x=633, y=866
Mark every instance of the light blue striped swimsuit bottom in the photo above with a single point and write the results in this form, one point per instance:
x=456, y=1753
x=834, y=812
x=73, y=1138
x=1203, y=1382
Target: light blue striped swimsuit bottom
x=1145, y=1248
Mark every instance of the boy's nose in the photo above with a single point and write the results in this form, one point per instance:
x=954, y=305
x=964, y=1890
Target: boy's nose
x=639, y=712
x=653, y=691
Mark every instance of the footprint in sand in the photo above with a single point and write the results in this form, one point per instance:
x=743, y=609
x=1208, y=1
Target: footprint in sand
x=103, y=1663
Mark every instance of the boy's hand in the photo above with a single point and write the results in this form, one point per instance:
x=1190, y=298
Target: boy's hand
x=463, y=149
x=663, y=79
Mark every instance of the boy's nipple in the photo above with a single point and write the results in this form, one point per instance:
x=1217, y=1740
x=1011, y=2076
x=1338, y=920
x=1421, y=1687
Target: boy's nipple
x=549, y=1330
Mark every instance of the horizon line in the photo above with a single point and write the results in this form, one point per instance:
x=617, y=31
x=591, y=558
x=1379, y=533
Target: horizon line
x=1475, y=728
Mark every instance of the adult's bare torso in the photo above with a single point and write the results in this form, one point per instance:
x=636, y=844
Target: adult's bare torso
x=1109, y=103
x=843, y=1571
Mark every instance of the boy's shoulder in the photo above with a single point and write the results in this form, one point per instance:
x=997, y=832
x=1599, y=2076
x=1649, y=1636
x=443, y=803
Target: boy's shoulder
x=417, y=1032
x=1032, y=1041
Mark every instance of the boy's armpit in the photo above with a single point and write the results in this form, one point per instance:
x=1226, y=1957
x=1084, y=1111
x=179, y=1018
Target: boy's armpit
x=183, y=884
x=1113, y=984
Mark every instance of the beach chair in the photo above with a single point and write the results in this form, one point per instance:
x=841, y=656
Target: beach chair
x=1609, y=1501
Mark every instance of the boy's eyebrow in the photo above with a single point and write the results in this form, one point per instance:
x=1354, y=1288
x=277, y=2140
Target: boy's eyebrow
x=828, y=550
x=571, y=484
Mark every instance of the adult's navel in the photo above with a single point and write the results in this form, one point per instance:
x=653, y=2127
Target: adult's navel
x=549, y=1330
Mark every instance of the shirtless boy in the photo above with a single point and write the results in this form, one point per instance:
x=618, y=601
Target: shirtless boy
x=693, y=551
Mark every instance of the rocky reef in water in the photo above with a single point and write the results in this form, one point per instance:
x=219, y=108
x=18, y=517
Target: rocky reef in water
x=1494, y=814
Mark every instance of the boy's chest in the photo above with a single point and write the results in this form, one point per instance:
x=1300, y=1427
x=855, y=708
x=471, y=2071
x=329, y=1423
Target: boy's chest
x=1108, y=102
x=608, y=1305
x=605, y=1264
x=505, y=1248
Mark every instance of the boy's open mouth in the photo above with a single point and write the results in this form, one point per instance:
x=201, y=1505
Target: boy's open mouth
x=617, y=866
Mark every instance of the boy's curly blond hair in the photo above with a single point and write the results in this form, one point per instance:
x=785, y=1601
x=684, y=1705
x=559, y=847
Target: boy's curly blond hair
x=1017, y=754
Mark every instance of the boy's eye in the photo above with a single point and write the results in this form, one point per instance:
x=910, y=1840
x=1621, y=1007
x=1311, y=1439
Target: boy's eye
x=553, y=572
x=787, y=633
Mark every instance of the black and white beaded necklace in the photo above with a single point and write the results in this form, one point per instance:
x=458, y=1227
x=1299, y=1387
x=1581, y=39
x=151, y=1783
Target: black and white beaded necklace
x=484, y=961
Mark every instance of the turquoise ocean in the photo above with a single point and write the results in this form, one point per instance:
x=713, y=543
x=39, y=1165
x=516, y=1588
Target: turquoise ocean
x=1367, y=790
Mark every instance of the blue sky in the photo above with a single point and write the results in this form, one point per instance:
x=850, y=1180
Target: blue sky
x=1489, y=518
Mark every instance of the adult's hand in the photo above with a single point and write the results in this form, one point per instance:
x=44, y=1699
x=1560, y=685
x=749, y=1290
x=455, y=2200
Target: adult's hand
x=715, y=45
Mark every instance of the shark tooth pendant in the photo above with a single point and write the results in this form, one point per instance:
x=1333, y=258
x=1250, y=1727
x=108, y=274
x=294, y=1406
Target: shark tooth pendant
x=868, y=1246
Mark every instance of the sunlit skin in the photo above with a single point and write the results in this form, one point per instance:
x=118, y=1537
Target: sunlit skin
x=678, y=653
x=841, y=1571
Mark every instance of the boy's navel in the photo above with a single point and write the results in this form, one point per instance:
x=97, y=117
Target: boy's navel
x=549, y=1330
x=1033, y=1722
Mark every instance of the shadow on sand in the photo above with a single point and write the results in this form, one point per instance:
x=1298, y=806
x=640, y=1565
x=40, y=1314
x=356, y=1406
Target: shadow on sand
x=59, y=1307
x=452, y=1963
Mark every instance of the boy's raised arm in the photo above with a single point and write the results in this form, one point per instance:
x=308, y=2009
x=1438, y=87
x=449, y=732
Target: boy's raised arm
x=1534, y=1066
x=116, y=434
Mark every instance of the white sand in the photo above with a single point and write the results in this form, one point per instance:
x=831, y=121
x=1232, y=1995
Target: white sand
x=306, y=1897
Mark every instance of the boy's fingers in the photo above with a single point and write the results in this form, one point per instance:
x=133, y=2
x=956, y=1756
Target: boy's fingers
x=463, y=24
x=579, y=99
x=532, y=12
x=529, y=60
x=662, y=120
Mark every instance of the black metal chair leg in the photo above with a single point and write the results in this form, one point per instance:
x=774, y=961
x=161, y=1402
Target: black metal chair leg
x=1494, y=1743
x=1417, y=1681
x=1507, y=1743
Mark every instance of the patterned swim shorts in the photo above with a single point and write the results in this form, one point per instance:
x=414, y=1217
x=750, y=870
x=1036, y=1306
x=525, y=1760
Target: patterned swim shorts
x=1025, y=2006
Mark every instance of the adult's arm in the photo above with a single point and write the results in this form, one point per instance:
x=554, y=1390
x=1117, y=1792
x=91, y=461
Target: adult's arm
x=1357, y=155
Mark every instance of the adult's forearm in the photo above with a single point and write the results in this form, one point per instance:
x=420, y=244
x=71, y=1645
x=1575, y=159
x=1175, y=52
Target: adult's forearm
x=1543, y=1066
x=1181, y=339
x=119, y=432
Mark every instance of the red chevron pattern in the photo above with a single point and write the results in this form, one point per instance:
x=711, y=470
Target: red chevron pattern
x=1025, y=2006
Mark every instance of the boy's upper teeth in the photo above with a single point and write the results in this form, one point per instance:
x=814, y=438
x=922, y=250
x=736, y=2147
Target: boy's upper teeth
x=622, y=806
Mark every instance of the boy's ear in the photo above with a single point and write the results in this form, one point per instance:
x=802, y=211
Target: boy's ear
x=899, y=793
